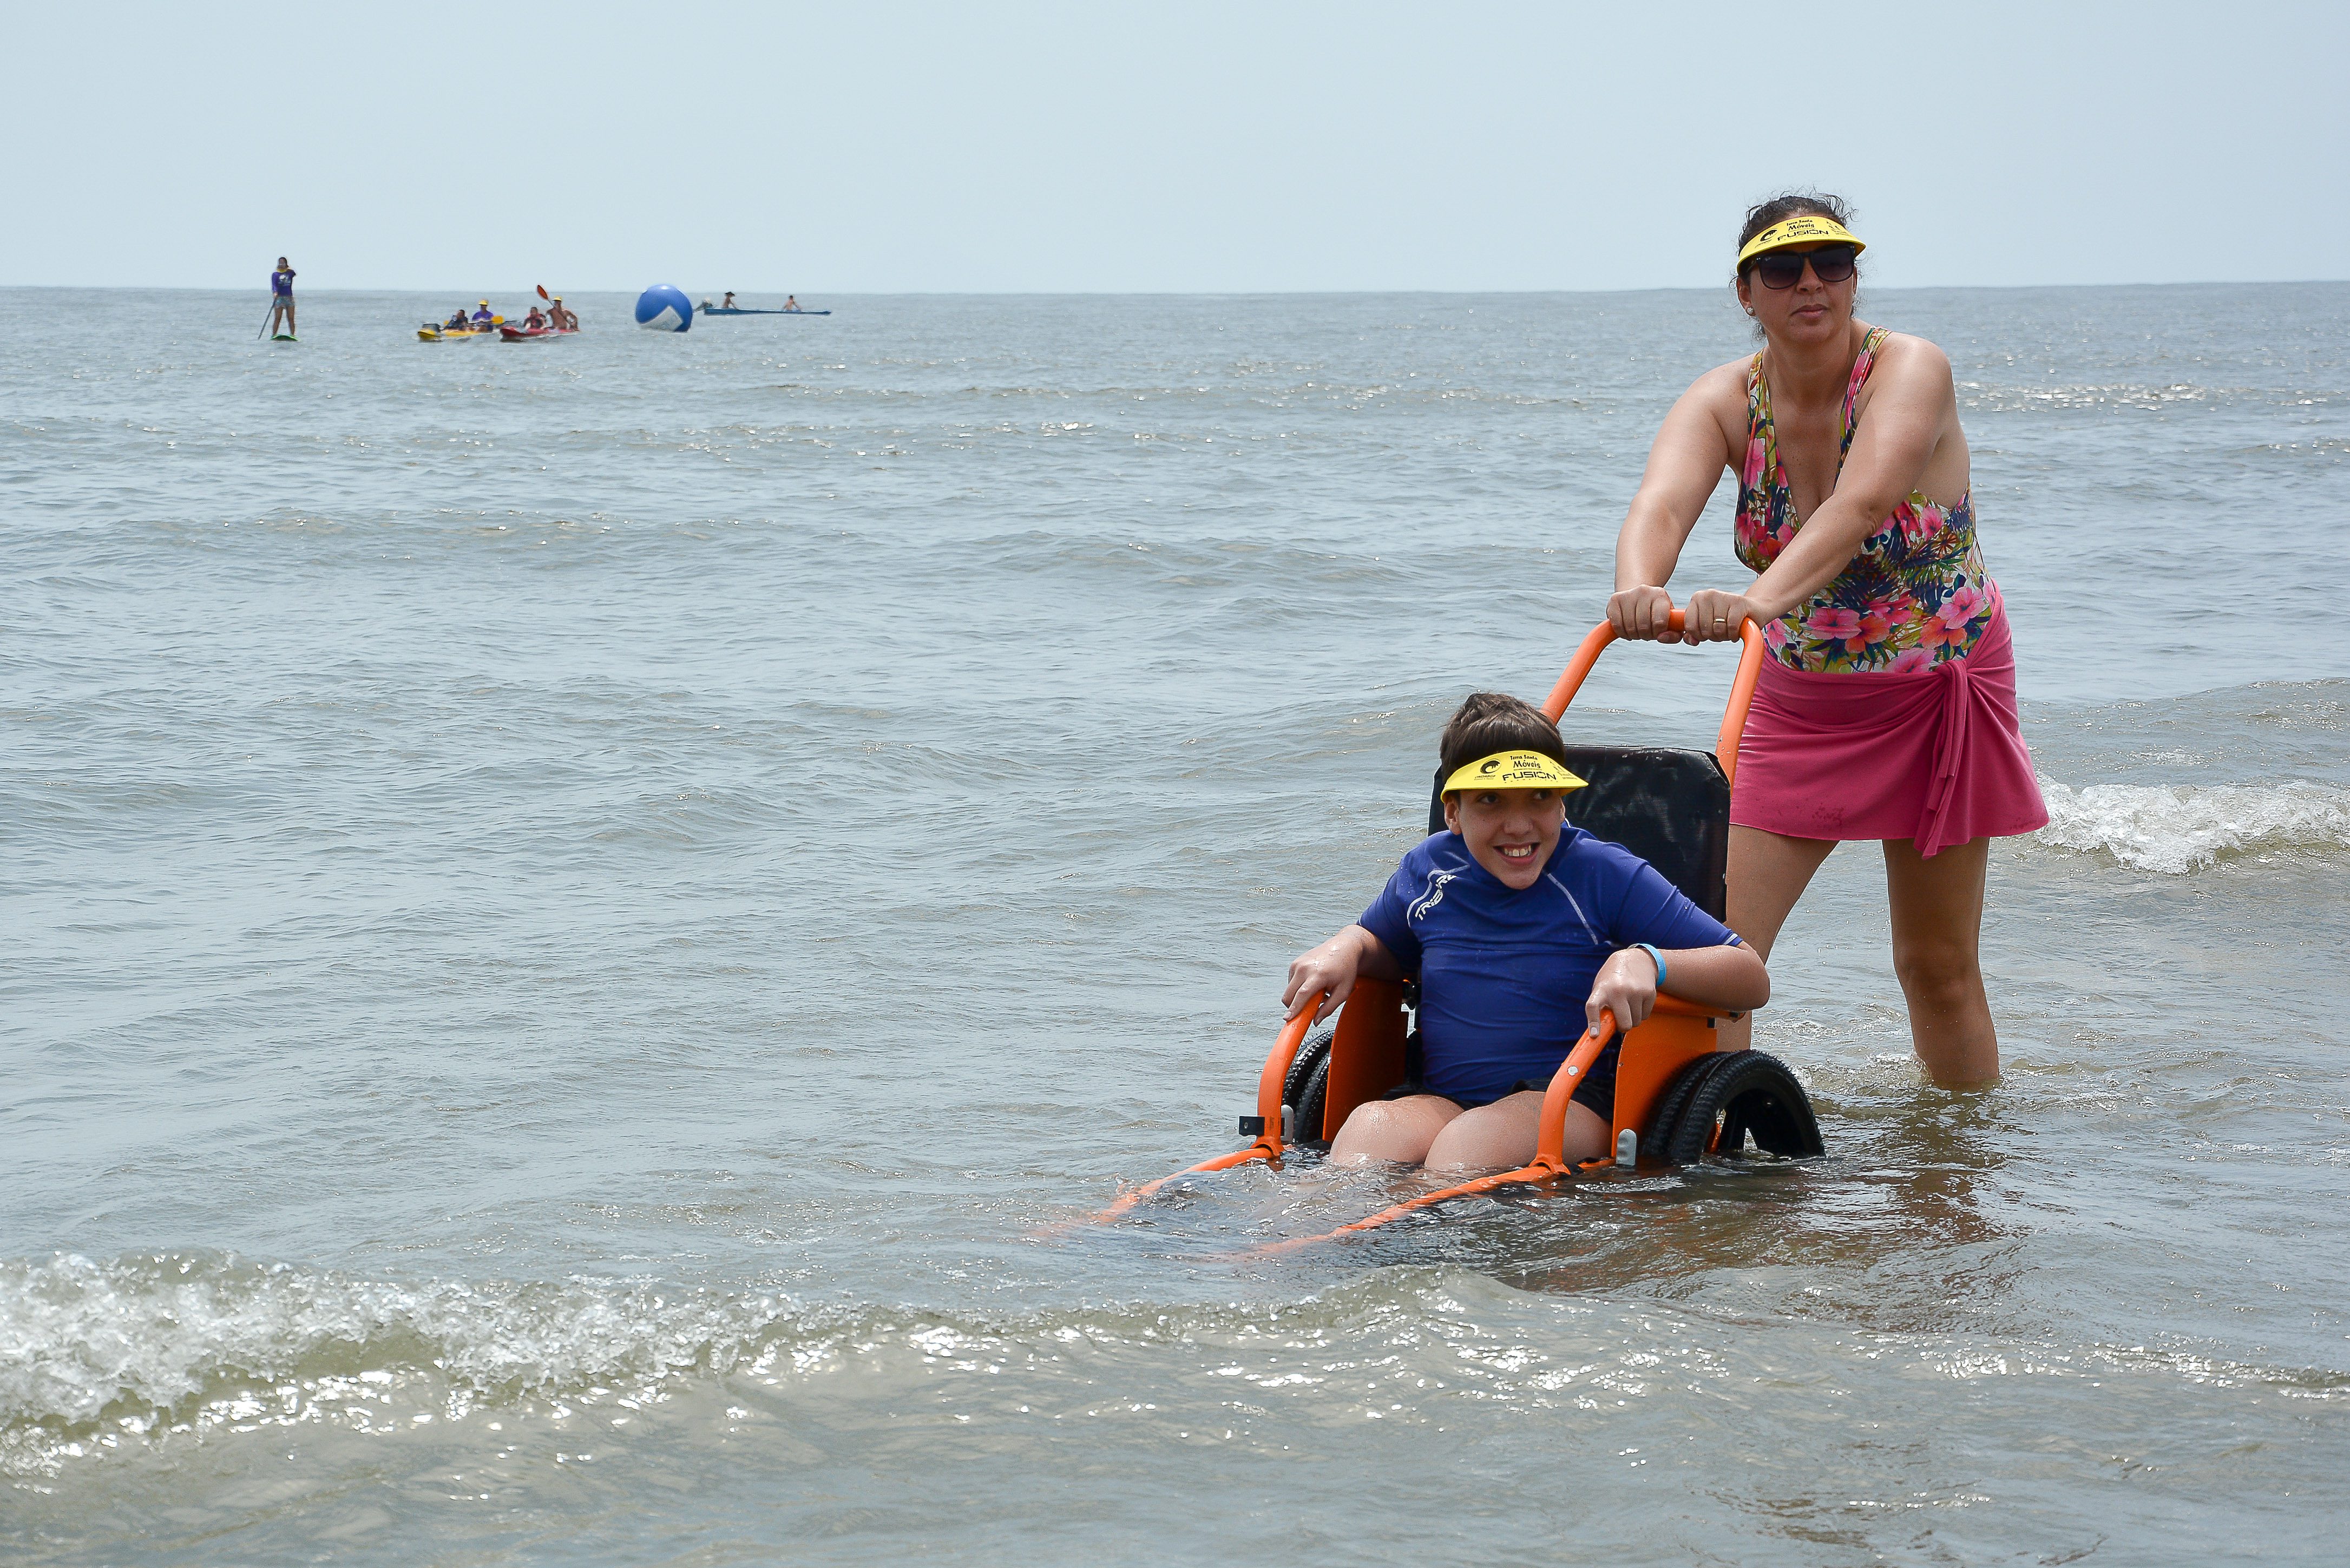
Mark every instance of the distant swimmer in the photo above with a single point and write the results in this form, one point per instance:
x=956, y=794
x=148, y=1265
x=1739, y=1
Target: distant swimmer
x=281, y=296
x=727, y=303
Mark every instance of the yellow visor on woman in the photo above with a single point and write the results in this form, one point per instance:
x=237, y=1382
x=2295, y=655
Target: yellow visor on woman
x=1512, y=769
x=1804, y=229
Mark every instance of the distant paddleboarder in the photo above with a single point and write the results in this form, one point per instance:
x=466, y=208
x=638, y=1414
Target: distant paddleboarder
x=281, y=298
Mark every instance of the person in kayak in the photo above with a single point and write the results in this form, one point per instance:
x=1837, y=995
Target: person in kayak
x=791, y=302
x=560, y=320
x=1886, y=706
x=1520, y=929
x=457, y=322
x=534, y=320
x=281, y=296
x=482, y=319
x=727, y=303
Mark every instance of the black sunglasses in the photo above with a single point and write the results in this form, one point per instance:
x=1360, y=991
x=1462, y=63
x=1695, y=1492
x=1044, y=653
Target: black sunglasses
x=1784, y=269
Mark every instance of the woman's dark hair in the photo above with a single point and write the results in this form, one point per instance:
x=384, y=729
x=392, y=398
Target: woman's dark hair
x=1790, y=204
x=1490, y=721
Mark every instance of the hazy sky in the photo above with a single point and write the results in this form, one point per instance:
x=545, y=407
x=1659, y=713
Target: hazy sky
x=1189, y=145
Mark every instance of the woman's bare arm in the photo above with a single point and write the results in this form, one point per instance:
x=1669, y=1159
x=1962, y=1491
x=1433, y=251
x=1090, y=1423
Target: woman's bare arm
x=1911, y=410
x=1685, y=465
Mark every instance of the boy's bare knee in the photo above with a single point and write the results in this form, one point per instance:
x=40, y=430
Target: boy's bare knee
x=1493, y=1137
x=1396, y=1130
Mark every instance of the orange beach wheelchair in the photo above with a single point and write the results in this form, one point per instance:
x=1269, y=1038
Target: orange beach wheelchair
x=1678, y=1098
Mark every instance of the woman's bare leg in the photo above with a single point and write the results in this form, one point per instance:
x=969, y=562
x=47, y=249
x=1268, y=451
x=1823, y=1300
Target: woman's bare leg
x=1768, y=872
x=1936, y=940
x=1503, y=1135
x=1399, y=1130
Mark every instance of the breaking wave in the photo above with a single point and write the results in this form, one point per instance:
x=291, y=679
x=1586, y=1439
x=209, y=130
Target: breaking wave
x=2178, y=828
x=146, y=1345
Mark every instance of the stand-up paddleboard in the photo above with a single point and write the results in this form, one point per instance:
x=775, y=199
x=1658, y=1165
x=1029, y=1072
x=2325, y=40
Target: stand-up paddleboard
x=738, y=310
x=284, y=338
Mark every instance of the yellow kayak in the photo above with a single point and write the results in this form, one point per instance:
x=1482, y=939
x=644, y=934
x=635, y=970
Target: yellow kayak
x=446, y=334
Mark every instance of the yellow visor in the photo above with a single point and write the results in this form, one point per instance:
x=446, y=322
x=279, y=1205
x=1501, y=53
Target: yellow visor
x=1804, y=229
x=1512, y=769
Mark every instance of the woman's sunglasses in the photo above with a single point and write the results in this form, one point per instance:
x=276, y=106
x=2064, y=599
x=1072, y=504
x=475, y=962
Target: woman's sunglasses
x=1784, y=269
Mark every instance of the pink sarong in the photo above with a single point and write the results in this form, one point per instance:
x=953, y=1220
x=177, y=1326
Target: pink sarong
x=1934, y=755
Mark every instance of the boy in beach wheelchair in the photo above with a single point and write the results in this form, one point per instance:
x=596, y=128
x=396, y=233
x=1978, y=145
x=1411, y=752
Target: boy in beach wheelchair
x=1558, y=940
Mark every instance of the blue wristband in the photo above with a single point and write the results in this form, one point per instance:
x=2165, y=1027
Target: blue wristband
x=1659, y=958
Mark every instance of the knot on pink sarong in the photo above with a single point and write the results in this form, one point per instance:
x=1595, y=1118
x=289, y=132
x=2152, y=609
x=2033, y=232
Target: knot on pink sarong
x=1935, y=756
x=1950, y=751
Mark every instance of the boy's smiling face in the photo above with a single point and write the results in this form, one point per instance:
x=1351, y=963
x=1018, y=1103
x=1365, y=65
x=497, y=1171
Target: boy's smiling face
x=1510, y=832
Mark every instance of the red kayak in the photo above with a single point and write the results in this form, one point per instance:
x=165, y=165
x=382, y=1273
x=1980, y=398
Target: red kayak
x=517, y=333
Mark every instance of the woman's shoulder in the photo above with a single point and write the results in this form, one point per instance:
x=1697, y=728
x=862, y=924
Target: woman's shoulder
x=1907, y=354
x=1723, y=382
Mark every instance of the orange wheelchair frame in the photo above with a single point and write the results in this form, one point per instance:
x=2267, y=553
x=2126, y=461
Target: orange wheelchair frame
x=1661, y=1071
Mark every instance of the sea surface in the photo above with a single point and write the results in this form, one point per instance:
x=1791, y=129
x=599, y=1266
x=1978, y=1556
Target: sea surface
x=582, y=923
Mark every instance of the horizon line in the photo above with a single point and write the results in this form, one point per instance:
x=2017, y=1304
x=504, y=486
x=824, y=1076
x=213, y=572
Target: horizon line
x=1172, y=294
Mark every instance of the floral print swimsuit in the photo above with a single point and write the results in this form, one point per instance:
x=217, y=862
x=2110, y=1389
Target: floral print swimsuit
x=1914, y=594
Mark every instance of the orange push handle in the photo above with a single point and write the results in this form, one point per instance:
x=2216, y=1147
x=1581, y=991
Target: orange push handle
x=1742, y=685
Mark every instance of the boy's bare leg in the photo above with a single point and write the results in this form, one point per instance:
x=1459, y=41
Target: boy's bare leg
x=1768, y=872
x=1937, y=935
x=1399, y=1130
x=1503, y=1135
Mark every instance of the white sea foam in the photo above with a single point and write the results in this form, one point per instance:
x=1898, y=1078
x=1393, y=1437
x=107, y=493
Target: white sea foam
x=179, y=1343
x=2178, y=828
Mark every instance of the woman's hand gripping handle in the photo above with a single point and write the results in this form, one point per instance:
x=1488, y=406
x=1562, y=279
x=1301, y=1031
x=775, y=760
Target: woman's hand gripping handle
x=1712, y=616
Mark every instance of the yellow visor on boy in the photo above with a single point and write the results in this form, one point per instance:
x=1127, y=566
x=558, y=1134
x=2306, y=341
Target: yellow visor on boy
x=1512, y=769
x=1805, y=229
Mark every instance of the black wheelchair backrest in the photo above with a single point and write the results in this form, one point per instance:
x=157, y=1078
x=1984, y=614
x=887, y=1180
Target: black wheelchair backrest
x=1669, y=807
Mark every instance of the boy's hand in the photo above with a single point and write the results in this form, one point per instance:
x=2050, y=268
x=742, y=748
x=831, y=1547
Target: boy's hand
x=1331, y=968
x=1627, y=987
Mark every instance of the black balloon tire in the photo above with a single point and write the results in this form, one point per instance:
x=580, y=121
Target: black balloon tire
x=1666, y=1113
x=1730, y=1096
x=1306, y=1089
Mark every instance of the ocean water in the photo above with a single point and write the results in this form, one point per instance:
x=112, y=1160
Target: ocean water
x=582, y=919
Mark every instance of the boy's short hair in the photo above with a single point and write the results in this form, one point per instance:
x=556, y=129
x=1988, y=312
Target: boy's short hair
x=1490, y=721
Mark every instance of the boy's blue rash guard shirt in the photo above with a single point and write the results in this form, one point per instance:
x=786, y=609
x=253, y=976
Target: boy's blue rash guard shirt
x=1503, y=975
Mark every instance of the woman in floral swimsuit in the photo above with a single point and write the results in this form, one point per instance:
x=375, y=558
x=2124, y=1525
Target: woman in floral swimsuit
x=1886, y=708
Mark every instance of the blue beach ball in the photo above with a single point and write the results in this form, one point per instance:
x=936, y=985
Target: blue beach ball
x=664, y=308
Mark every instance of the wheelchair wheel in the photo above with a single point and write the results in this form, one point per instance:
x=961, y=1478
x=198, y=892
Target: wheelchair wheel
x=1306, y=1091
x=1738, y=1095
x=1666, y=1114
